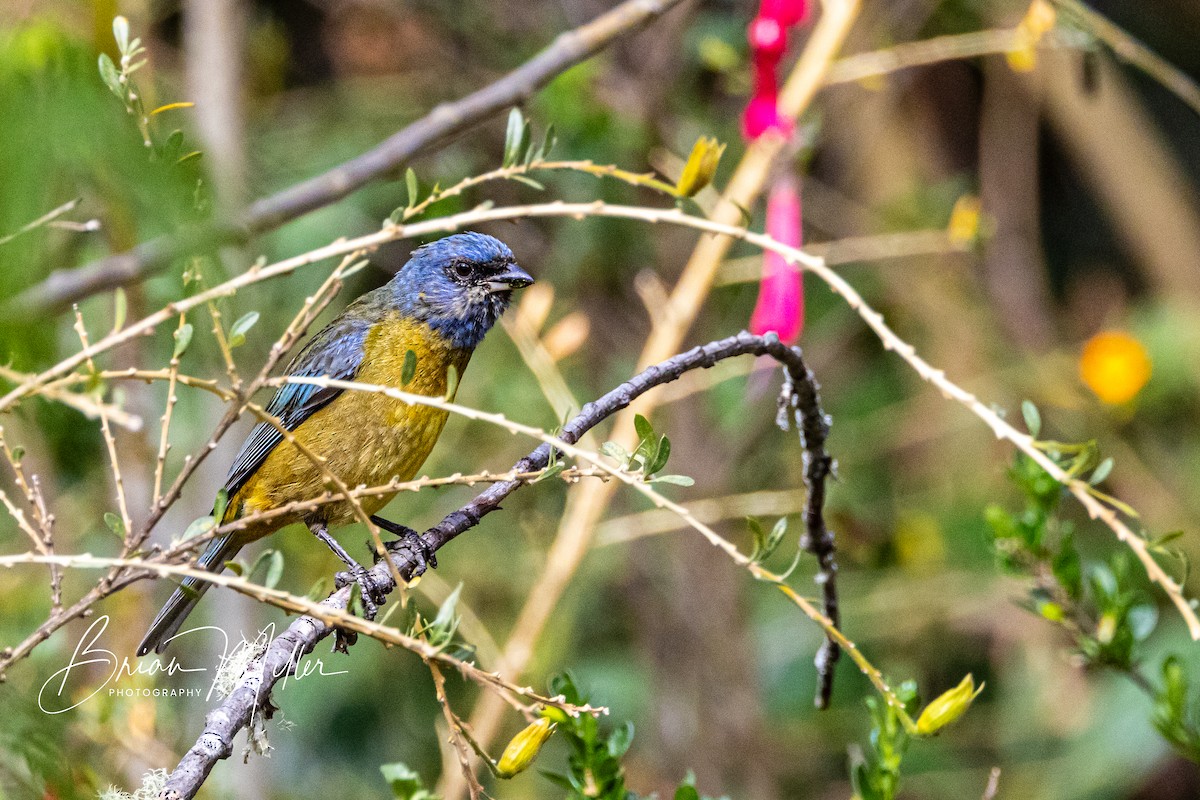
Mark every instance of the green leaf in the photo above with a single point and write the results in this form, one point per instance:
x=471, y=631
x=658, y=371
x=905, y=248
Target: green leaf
x=620, y=740
x=561, y=781
x=451, y=382
x=1033, y=419
x=236, y=568
x=1067, y=568
x=614, y=450
x=274, y=570
x=674, y=480
x=410, y=180
x=110, y=76
x=409, y=370
x=552, y=471
x=643, y=427
x=444, y=625
x=686, y=792
x=777, y=534
x=548, y=143
x=258, y=562
x=404, y=782
x=320, y=589
x=114, y=523
x=660, y=457
x=237, y=334
x=747, y=217
x=220, y=504
x=199, y=527
x=448, y=609
x=173, y=145
x=528, y=182
x=120, y=309
x=1142, y=621
x=183, y=337
x=1101, y=472
x=120, y=28
x=564, y=683
x=512, y=137
x=539, y=153
x=760, y=536
x=1166, y=538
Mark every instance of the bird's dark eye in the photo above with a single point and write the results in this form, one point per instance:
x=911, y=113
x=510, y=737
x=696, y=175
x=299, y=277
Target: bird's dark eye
x=461, y=270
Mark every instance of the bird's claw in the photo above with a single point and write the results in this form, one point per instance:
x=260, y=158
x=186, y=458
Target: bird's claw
x=371, y=593
x=343, y=640
x=411, y=542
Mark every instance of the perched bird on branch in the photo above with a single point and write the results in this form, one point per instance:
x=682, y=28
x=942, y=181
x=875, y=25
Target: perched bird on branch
x=438, y=307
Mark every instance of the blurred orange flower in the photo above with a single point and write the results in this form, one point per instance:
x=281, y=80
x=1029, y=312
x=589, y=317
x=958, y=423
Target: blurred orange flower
x=1115, y=366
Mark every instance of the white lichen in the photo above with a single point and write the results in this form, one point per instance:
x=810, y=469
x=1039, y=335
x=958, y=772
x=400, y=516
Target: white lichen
x=232, y=668
x=153, y=783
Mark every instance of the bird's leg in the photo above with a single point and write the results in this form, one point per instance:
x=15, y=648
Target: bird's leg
x=370, y=591
x=422, y=554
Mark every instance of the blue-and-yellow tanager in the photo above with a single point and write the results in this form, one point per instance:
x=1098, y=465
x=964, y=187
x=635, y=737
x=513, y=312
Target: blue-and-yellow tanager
x=439, y=306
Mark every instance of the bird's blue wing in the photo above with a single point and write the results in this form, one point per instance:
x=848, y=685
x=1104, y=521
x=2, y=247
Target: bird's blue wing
x=336, y=352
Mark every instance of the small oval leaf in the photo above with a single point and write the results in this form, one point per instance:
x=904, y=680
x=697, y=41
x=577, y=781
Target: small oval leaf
x=183, y=337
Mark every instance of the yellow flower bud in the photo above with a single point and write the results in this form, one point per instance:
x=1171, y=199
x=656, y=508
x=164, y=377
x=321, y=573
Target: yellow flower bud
x=1115, y=366
x=948, y=707
x=1038, y=20
x=965, y=220
x=701, y=166
x=524, y=748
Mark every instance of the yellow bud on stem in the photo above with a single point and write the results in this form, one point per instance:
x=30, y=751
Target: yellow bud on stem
x=701, y=166
x=524, y=748
x=948, y=707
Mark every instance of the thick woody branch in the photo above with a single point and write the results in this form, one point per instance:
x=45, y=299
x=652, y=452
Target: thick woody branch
x=800, y=405
x=445, y=121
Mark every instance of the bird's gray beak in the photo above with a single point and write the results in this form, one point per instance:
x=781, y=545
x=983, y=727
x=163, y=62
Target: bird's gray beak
x=512, y=278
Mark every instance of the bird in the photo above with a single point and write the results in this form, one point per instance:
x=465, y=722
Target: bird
x=438, y=307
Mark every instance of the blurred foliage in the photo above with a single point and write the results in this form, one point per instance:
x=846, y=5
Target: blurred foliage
x=1103, y=606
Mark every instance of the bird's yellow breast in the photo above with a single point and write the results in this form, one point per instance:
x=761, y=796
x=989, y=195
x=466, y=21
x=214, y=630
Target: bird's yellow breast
x=367, y=439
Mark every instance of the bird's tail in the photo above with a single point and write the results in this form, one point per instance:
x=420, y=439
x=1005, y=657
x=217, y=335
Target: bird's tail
x=184, y=599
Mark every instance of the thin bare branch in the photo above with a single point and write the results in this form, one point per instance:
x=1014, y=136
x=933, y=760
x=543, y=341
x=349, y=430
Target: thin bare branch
x=164, y=442
x=110, y=445
x=441, y=124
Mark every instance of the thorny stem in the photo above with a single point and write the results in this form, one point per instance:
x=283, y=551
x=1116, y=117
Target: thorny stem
x=111, y=446
x=164, y=443
x=457, y=734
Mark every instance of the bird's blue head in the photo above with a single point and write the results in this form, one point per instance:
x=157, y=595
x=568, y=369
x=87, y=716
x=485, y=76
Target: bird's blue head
x=459, y=285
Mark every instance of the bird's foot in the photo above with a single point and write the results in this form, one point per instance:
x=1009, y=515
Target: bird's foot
x=371, y=593
x=411, y=542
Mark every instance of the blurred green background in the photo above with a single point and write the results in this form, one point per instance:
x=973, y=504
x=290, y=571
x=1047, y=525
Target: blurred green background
x=1090, y=200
